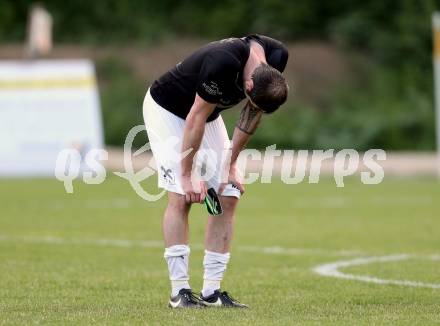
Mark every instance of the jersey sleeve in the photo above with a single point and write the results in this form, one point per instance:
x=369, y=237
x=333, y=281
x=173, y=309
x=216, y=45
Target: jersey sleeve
x=276, y=53
x=217, y=75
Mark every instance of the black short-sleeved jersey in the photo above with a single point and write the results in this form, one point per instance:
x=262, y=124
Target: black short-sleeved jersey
x=215, y=72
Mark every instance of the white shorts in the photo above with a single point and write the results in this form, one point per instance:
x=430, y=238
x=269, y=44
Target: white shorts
x=165, y=133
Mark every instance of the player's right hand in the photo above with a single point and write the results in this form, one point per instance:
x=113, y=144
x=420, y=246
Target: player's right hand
x=195, y=192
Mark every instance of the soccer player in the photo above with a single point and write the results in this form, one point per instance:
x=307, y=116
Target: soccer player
x=182, y=117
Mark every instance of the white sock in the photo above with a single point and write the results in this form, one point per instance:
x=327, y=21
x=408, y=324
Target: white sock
x=215, y=266
x=177, y=258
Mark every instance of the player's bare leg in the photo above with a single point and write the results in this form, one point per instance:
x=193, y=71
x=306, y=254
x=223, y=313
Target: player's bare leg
x=175, y=232
x=219, y=229
x=175, y=222
x=218, y=236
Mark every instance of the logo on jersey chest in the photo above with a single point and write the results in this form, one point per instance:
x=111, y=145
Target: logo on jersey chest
x=212, y=88
x=228, y=40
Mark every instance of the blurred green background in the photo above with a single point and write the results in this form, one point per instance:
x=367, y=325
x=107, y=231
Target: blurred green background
x=361, y=72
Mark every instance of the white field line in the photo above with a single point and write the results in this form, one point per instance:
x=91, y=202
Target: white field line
x=97, y=242
x=123, y=243
x=332, y=270
x=329, y=269
x=298, y=251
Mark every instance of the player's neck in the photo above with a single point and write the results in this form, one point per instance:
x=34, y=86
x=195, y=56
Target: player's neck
x=256, y=57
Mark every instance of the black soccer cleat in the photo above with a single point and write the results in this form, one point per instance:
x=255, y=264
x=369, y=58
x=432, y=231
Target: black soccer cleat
x=221, y=299
x=185, y=299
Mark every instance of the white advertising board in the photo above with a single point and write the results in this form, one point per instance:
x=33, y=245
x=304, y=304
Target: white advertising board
x=46, y=106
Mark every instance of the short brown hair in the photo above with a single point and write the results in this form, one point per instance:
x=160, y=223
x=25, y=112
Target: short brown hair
x=270, y=88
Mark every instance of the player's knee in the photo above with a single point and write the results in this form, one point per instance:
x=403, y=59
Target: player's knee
x=177, y=203
x=229, y=203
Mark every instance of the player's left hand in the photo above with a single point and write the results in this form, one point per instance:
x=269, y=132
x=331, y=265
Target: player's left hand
x=234, y=179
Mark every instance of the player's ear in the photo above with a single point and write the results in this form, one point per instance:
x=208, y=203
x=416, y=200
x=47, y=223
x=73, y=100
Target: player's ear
x=249, y=85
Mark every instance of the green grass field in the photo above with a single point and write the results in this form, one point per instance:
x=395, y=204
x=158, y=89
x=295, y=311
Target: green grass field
x=96, y=256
